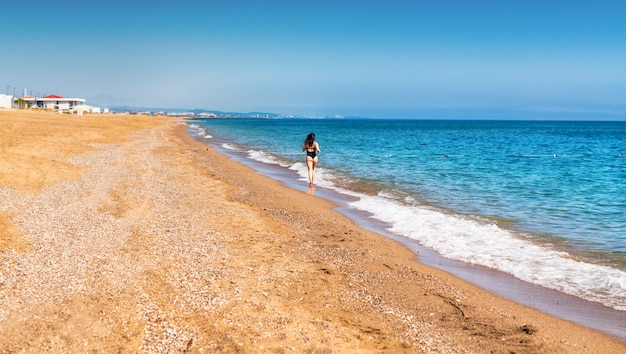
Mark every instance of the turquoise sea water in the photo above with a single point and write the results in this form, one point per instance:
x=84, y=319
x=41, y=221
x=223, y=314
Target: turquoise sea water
x=543, y=201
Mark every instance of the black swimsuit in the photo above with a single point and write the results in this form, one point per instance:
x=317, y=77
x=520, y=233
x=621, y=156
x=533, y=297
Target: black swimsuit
x=311, y=154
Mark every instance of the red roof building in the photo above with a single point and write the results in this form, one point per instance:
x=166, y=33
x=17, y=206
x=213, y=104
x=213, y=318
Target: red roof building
x=55, y=102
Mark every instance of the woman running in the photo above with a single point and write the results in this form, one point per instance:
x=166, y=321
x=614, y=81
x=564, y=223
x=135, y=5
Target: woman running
x=312, y=149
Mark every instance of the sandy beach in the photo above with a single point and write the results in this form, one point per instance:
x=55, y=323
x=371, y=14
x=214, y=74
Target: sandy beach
x=121, y=233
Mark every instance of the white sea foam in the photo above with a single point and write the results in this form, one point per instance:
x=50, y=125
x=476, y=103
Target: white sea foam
x=264, y=157
x=479, y=242
x=323, y=176
x=197, y=130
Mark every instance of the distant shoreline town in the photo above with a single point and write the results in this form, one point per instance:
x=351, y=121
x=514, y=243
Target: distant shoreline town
x=77, y=106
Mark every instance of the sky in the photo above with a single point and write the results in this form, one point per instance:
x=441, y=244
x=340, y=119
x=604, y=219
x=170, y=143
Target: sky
x=368, y=58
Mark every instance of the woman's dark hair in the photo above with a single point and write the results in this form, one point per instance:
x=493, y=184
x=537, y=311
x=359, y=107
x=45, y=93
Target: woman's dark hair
x=310, y=139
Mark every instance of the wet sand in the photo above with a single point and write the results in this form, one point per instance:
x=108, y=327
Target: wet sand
x=122, y=233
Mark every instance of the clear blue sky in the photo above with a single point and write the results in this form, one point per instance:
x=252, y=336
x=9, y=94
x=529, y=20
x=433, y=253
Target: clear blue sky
x=369, y=58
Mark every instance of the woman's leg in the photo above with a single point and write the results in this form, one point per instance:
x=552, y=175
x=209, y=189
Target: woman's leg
x=310, y=164
x=312, y=170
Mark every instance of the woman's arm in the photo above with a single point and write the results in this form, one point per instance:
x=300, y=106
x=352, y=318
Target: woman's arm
x=317, y=146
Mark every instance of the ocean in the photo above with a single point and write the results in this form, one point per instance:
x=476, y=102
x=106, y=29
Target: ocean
x=543, y=201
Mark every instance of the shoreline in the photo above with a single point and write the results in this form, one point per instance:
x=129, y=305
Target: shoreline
x=125, y=234
x=568, y=307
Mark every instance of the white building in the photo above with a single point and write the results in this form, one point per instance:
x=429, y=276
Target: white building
x=6, y=101
x=85, y=108
x=59, y=103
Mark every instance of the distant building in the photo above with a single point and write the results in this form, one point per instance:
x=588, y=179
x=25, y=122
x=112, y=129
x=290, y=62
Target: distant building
x=57, y=103
x=26, y=102
x=6, y=101
x=85, y=108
